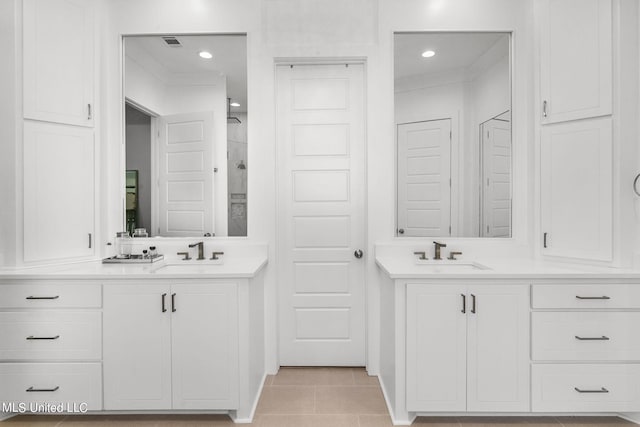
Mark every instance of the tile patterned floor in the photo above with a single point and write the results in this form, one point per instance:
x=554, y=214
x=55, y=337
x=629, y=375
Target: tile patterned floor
x=312, y=397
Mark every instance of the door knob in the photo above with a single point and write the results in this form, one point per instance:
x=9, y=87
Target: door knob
x=401, y=231
x=358, y=253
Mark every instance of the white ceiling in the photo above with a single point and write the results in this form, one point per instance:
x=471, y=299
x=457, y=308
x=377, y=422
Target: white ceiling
x=229, y=58
x=453, y=51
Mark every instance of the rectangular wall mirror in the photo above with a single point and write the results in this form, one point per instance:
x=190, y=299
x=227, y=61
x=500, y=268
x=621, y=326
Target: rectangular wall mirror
x=186, y=135
x=452, y=98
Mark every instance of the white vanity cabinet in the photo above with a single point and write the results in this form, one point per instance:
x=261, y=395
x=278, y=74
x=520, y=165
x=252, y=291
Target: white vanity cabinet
x=585, y=350
x=58, y=37
x=51, y=342
x=575, y=59
x=171, y=346
x=467, y=347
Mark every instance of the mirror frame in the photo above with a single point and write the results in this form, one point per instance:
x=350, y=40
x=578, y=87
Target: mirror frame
x=512, y=238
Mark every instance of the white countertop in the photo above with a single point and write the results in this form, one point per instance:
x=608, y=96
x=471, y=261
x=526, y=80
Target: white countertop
x=405, y=267
x=244, y=267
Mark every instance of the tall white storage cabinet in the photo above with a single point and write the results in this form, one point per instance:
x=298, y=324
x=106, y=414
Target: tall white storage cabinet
x=59, y=140
x=577, y=187
x=576, y=91
x=575, y=59
x=58, y=61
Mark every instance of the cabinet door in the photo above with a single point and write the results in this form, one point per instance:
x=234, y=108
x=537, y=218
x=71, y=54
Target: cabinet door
x=497, y=348
x=59, y=198
x=576, y=59
x=204, y=326
x=436, y=348
x=137, y=347
x=576, y=189
x=58, y=61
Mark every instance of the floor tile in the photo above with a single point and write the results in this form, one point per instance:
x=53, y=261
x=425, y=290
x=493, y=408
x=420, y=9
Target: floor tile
x=349, y=400
x=307, y=421
x=287, y=400
x=314, y=376
x=437, y=421
x=34, y=420
x=594, y=421
x=361, y=377
x=269, y=380
x=375, y=421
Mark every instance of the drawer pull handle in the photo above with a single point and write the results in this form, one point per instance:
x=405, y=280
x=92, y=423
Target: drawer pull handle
x=602, y=390
x=602, y=338
x=173, y=303
x=602, y=297
x=32, y=297
x=464, y=303
x=31, y=337
x=31, y=389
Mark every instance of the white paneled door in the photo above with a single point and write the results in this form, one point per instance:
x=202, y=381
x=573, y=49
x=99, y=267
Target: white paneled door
x=185, y=175
x=496, y=178
x=424, y=178
x=321, y=154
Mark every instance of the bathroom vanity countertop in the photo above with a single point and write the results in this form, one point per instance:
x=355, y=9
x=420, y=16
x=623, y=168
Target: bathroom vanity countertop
x=407, y=268
x=245, y=267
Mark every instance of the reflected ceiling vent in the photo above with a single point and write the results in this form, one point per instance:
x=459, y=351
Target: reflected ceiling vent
x=231, y=119
x=171, y=41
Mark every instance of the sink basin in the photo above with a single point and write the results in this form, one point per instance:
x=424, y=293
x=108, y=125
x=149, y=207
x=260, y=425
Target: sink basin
x=435, y=266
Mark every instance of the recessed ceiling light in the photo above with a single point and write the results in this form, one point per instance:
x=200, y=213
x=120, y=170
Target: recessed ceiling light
x=205, y=55
x=234, y=104
x=428, y=53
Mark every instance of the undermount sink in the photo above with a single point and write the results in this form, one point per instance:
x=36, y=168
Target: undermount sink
x=437, y=266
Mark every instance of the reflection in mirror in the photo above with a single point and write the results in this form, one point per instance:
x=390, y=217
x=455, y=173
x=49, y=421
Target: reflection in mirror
x=186, y=135
x=452, y=97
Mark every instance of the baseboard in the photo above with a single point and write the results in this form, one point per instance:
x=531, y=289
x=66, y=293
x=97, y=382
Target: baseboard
x=633, y=417
x=6, y=416
x=390, y=409
x=254, y=407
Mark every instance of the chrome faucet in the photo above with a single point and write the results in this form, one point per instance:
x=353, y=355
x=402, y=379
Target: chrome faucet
x=200, y=246
x=438, y=247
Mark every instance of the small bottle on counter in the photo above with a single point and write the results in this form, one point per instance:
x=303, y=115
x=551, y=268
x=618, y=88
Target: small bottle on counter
x=152, y=252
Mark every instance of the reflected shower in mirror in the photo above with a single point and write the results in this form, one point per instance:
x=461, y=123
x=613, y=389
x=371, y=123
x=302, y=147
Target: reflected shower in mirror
x=186, y=134
x=452, y=100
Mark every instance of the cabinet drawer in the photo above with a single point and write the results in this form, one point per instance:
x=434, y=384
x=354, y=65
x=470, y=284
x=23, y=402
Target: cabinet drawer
x=50, y=295
x=585, y=336
x=586, y=296
x=65, y=383
x=586, y=388
x=50, y=335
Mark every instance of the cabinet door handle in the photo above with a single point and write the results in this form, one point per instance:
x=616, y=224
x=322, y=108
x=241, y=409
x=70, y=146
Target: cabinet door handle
x=90, y=240
x=164, y=308
x=173, y=303
x=602, y=390
x=464, y=303
x=31, y=389
x=602, y=297
x=89, y=112
x=31, y=337
x=544, y=240
x=54, y=297
x=473, y=303
x=602, y=338
x=544, y=108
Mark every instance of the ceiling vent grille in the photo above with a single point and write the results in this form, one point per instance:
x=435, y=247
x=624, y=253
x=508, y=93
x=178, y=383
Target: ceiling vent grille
x=171, y=41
